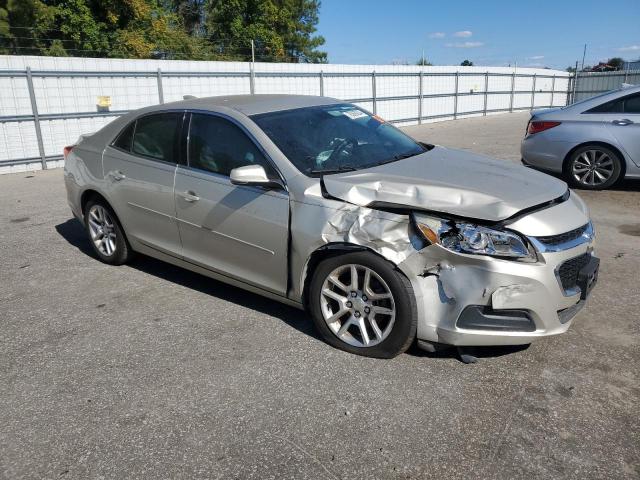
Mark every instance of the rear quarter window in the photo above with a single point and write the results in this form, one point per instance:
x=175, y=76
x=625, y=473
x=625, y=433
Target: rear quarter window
x=124, y=139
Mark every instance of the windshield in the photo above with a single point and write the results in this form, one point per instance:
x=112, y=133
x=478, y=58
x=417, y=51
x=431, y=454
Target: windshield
x=332, y=138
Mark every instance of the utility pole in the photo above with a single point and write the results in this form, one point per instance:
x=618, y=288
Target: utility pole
x=422, y=57
x=584, y=54
x=575, y=84
x=252, y=73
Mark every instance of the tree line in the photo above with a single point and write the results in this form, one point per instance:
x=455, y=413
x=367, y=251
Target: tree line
x=282, y=30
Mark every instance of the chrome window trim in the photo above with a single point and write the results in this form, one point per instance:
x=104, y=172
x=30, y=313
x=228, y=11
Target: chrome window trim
x=587, y=237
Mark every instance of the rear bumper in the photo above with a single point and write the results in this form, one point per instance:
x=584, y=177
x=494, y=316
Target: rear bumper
x=539, y=152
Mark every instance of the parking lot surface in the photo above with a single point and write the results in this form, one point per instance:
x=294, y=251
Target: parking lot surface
x=149, y=371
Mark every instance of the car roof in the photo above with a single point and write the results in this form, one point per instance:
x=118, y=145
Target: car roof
x=603, y=98
x=253, y=104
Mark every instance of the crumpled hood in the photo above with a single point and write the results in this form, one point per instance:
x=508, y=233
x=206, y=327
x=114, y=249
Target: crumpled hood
x=450, y=181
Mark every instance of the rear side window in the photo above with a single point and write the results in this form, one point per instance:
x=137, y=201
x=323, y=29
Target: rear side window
x=632, y=104
x=629, y=104
x=156, y=136
x=614, y=106
x=125, y=139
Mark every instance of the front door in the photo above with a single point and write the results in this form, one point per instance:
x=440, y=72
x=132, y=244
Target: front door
x=139, y=170
x=238, y=231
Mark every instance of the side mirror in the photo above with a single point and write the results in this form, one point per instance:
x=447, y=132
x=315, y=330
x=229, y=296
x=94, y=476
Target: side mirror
x=253, y=175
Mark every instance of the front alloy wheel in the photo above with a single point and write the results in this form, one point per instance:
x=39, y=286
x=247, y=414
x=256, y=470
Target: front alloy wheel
x=363, y=304
x=357, y=305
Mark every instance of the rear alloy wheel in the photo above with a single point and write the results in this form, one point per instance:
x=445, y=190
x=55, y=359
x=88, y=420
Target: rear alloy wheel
x=361, y=304
x=593, y=167
x=106, y=234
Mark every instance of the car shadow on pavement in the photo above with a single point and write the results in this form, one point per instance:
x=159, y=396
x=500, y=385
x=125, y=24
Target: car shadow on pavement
x=72, y=231
x=623, y=185
x=478, y=352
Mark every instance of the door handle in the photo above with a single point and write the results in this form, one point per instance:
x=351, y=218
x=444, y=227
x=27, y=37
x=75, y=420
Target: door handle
x=623, y=122
x=190, y=196
x=118, y=175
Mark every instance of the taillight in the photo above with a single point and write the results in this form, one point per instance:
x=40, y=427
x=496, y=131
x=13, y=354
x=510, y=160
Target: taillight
x=537, y=127
x=67, y=150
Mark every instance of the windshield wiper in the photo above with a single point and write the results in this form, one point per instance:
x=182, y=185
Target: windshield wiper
x=402, y=156
x=342, y=168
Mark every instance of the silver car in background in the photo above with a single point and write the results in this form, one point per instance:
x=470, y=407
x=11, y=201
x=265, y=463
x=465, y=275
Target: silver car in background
x=321, y=205
x=592, y=143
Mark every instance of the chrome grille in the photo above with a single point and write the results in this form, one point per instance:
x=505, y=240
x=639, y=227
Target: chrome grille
x=563, y=237
x=564, y=241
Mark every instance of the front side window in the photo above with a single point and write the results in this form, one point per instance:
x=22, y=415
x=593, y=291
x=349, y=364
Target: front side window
x=217, y=145
x=156, y=136
x=330, y=138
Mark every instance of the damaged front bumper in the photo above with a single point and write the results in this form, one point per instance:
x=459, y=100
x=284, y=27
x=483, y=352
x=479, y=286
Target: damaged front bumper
x=470, y=300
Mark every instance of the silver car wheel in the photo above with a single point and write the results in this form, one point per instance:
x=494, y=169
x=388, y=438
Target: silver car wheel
x=357, y=305
x=592, y=168
x=102, y=230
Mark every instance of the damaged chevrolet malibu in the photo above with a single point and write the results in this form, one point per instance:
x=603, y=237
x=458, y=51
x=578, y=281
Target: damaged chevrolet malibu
x=319, y=204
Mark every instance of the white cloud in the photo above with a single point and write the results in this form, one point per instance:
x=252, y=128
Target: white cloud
x=630, y=48
x=463, y=34
x=464, y=45
x=536, y=57
x=437, y=35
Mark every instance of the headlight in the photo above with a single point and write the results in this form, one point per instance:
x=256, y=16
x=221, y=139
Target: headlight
x=463, y=237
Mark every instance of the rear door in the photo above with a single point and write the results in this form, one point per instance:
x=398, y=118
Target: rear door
x=238, y=231
x=621, y=118
x=139, y=169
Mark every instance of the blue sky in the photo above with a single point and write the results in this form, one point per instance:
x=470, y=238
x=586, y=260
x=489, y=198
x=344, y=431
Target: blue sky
x=499, y=32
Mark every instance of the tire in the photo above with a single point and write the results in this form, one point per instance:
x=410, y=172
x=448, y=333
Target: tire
x=390, y=290
x=114, y=247
x=593, y=167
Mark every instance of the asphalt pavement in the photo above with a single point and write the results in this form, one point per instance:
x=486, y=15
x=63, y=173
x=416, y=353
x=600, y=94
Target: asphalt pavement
x=149, y=371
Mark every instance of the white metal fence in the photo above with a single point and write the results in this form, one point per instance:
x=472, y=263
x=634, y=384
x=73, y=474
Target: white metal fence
x=587, y=84
x=46, y=102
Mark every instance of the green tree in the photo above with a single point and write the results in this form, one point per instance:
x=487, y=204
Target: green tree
x=190, y=14
x=98, y=28
x=616, y=62
x=283, y=30
x=466, y=63
x=424, y=62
